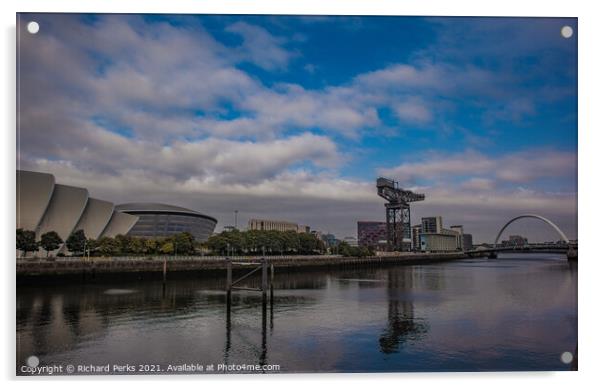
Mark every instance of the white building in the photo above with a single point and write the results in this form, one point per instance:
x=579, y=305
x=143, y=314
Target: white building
x=276, y=225
x=443, y=242
x=460, y=230
x=44, y=206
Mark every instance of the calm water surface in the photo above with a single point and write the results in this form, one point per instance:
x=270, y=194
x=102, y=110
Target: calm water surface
x=518, y=312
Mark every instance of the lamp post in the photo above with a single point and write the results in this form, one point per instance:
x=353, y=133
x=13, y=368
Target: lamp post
x=236, y=219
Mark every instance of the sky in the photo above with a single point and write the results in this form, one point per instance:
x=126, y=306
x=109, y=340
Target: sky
x=294, y=117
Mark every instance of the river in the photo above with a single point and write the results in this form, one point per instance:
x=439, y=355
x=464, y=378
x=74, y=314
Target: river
x=517, y=312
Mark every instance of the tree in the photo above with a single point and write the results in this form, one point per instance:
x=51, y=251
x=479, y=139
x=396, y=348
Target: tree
x=292, y=243
x=108, y=246
x=251, y=241
x=151, y=246
x=263, y=241
x=91, y=246
x=255, y=241
x=124, y=242
x=348, y=251
x=26, y=241
x=167, y=247
x=76, y=242
x=308, y=243
x=50, y=241
x=365, y=251
x=136, y=246
x=344, y=249
x=217, y=244
x=235, y=239
x=183, y=243
x=275, y=242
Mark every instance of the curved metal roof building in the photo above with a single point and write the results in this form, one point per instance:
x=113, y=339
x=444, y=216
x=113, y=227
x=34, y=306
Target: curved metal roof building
x=43, y=206
x=156, y=220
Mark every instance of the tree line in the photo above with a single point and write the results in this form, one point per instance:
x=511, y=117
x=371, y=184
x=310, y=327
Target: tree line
x=233, y=242
x=256, y=242
x=346, y=250
x=78, y=244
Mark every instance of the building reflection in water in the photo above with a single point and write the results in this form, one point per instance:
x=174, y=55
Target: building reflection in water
x=402, y=325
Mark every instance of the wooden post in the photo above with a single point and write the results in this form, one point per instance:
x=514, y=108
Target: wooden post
x=264, y=277
x=228, y=280
x=163, y=289
x=264, y=332
x=271, y=284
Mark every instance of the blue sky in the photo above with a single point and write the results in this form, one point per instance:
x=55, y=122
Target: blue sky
x=293, y=117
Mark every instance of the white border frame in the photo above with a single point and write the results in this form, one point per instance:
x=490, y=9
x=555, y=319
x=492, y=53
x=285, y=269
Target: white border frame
x=590, y=126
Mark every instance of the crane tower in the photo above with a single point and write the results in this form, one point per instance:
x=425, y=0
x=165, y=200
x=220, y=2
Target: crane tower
x=397, y=211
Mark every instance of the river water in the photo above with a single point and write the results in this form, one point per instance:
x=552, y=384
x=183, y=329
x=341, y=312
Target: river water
x=518, y=312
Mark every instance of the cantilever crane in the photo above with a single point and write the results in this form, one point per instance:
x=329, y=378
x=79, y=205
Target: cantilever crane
x=397, y=211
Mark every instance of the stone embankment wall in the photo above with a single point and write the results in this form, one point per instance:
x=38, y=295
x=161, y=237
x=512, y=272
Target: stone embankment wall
x=32, y=269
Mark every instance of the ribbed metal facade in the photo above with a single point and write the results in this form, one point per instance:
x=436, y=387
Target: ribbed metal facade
x=163, y=220
x=43, y=206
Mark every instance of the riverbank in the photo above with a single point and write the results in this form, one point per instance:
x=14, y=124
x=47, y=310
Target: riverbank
x=31, y=271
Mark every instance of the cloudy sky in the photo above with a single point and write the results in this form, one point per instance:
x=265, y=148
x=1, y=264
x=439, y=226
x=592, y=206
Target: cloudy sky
x=293, y=118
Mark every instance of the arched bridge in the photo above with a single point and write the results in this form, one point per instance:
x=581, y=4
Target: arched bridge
x=566, y=247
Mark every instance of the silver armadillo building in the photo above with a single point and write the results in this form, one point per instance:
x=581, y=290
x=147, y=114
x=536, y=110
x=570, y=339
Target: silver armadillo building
x=43, y=205
x=163, y=220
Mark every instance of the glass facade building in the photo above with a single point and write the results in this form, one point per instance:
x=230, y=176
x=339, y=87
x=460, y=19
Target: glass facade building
x=162, y=220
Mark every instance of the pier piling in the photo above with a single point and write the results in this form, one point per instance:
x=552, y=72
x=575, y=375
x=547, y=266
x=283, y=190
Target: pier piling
x=271, y=284
x=228, y=280
x=264, y=278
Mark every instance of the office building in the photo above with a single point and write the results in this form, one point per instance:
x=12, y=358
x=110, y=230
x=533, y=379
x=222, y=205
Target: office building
x=329, y=239
x=467, y=242
x=372, y=234
x=432, y=225
x=276, y=225
x=416, y=231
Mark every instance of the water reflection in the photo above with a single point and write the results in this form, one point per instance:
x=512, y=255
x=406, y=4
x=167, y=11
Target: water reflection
x=505, y=314
x=402, y=325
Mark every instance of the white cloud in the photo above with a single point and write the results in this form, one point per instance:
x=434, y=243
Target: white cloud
x=413, y=110
x=433, y=166
x=517, y=167
x=402, y=75
x=478, y=184
x=165, y=114
x=216, y=160
x=261, y=47
x=324, y=201
x=181, y=82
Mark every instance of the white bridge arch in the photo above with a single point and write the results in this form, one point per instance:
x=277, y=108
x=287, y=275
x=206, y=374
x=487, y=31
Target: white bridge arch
x=531, y=216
